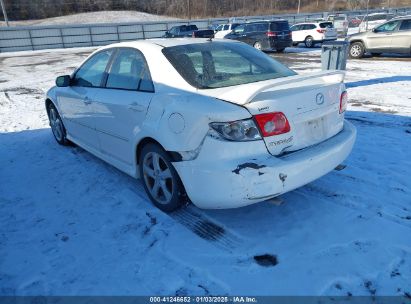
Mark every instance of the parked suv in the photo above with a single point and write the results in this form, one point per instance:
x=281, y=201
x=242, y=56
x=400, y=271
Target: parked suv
x=312, y=33
x=225, y=29
x=264, y=35
x=393, y=36
x=340, y=22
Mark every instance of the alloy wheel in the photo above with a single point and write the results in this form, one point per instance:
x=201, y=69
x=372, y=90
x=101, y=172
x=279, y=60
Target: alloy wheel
x=158, y=178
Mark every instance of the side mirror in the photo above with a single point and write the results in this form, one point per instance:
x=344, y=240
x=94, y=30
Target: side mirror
x=63, y=81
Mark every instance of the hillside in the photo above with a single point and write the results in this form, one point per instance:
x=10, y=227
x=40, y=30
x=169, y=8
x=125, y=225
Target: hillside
x=95, y=17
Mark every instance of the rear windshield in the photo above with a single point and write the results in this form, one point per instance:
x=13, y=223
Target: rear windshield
x=279, y=26
x=220, y=64
x=326, y=25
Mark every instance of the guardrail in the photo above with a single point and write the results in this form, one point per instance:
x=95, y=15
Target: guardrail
x=22, y=38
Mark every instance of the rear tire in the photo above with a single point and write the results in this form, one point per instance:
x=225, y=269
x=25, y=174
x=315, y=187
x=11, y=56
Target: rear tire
x=356, y=50
x=161, y=181
x=309, y=42
x=57, y=126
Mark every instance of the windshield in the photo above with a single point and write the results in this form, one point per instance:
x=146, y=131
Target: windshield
x=220, y=64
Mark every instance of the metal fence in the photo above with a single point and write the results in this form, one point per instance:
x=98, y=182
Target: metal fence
x=22, y=38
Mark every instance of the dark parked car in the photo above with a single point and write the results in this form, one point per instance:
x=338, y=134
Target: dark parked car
x=181, y=31
x=203, y=34
x=264, y=35
x=188, y=31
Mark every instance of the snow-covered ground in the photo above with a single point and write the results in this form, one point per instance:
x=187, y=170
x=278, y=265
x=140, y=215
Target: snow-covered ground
x=72, y=225
x=94, y=17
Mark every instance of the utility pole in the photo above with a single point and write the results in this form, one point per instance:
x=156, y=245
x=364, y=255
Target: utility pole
x=299, y=4
x=366, y=24
x=3, y=8
x=189, y=9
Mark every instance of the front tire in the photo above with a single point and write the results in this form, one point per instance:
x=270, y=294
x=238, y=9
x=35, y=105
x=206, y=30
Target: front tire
x=57, y=126
x=309, y=42
x=161, y=181
x=356, y=50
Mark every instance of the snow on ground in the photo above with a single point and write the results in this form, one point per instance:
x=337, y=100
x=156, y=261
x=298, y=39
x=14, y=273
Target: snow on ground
x=71, y=224
x=94, y=17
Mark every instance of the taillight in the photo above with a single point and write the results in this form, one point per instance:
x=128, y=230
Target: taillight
x=271, y=34
x=272, y=123
x=321, y=31
x=343, y=102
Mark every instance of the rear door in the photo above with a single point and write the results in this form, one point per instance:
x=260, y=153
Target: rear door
x=121, y=107
x=401, y=38
x=297, y=33
x=77, y=101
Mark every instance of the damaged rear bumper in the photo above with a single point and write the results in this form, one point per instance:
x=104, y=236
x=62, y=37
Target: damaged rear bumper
x=233, y=174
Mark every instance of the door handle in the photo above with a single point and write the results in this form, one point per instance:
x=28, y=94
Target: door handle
x=135, y=106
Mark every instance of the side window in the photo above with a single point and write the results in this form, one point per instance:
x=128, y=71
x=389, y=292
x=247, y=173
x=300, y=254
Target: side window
x=296, y=28
x=92, y=71
x=387, y=27
x=406, y=25
x=173, y=31
x=226, y=27
x=311, y=26
x=239, y=29
x=262, y=27
x=130, y=72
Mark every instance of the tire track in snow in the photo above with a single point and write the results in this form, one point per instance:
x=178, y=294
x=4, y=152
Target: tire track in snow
x=207, y=229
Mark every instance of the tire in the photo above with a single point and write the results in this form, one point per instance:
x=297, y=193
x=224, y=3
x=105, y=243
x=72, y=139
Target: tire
x=258, y=45
x=309, y=42
x=57, y=126
x=161, y=181
x=356, y=50
x=280, y=50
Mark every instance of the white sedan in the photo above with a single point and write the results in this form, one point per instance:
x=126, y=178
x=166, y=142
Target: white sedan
x=217, y=123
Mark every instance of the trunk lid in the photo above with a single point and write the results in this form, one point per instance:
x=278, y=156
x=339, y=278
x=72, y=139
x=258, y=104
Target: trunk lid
x=310, y=103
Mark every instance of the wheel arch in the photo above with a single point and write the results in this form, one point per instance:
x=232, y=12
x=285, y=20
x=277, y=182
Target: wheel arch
x=359, y=40
x=47, y=104
x=175, y=156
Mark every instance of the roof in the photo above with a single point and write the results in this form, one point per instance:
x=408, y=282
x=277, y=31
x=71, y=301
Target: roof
x=167, y=42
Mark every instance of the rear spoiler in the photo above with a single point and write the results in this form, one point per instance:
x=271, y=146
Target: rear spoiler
x=328, y=77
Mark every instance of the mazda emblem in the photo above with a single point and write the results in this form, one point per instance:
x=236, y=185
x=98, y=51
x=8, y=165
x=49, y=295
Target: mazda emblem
x=319, y=99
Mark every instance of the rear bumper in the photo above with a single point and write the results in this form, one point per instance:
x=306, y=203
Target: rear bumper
x=275, y=44
x=216, y=179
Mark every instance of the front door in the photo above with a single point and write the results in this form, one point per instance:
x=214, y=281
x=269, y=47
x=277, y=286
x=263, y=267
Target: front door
x=379, y=40
x=76, y=101
x=121, y=107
